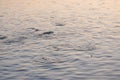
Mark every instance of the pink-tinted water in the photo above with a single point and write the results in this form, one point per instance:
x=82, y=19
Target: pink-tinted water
x=59, y=40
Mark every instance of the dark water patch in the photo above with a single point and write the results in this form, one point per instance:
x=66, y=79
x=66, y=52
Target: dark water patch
x=21, y=70
x=15, y=40
x=1, y=16
x=47, y=33
x=8, y=42
x=2, y=37
x=59, y=24
x=117, y=26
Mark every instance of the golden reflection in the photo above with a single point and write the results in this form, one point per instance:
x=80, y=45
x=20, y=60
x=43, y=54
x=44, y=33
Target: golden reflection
x=60, y=4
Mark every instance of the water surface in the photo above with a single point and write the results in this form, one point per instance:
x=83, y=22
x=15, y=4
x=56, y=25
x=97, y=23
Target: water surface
x=59, y=40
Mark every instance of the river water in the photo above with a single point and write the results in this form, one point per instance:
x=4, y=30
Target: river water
x=59, y=40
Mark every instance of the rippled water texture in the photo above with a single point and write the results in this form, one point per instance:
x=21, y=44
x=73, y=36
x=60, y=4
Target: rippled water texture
x=59, y=39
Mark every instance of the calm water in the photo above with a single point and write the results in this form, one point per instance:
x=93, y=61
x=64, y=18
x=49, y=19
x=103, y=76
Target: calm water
x=59, y=40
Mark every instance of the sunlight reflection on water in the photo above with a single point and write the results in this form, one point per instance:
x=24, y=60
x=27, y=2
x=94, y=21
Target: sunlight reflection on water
x=59, y=40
